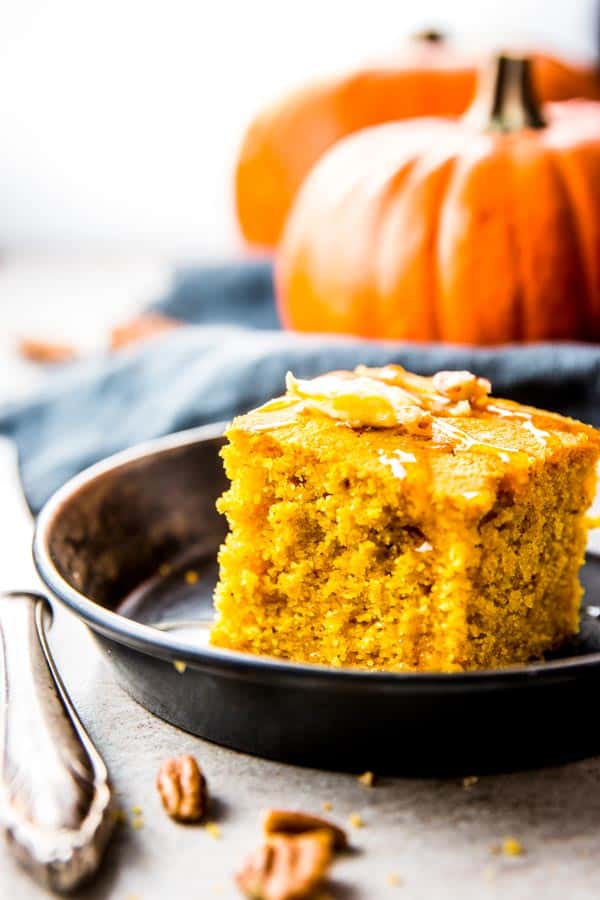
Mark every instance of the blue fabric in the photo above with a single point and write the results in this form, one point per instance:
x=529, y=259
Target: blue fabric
x=233, y=358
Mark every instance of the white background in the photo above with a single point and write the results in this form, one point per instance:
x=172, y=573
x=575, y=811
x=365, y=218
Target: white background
x=119, y=119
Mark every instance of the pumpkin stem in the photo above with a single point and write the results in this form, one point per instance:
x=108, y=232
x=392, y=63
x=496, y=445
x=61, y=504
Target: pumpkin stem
x=505, y=99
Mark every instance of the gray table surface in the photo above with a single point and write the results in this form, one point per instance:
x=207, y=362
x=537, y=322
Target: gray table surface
x=434, y=835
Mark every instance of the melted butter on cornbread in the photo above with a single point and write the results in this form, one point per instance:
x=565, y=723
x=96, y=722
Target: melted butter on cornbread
x=391, y=397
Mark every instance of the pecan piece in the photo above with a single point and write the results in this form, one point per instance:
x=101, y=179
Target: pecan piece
x=48, y=352
x=461, y=386
x=141, y=328
x=285, y=821
x=287, y=867
x=182, y=789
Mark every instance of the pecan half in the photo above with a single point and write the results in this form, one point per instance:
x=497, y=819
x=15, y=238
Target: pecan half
x=285, y=821
x=287, y=867
x=48, y=352
x=141, y=328
x=182, y=789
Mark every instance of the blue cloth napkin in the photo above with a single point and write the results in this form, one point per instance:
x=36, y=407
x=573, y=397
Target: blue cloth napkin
x=232, y=358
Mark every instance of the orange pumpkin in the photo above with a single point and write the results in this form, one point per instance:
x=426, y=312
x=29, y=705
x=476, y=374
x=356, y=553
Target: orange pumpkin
x=482, y=230
x=285, y=140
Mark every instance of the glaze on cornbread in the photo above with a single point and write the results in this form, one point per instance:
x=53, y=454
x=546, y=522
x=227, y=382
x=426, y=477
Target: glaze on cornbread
x=385, y=520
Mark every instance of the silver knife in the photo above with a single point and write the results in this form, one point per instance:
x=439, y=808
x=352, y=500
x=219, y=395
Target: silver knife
x=55, y=798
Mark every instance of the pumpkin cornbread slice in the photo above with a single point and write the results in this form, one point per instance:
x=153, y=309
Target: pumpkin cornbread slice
x=383, y=520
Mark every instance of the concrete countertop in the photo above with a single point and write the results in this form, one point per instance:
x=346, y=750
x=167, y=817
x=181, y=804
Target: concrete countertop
x=432, y=836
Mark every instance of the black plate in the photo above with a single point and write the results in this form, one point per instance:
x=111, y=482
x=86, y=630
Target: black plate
x=130, y=545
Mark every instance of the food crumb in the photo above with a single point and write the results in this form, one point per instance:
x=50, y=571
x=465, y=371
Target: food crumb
x=394, y=879
x=137, y=823
x=179, y=666
x=512, y=847
x=191, y=576
x=136, y=810
x=469, y=781
x=326, y=806
x=213, y=830
x=164, y=570
x=367, y=778
x=356, y=820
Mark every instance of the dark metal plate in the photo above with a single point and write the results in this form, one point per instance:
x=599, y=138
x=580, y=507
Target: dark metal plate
x=99, y=546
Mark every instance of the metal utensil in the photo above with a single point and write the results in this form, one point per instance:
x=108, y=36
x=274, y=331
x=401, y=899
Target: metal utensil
x=55, y=799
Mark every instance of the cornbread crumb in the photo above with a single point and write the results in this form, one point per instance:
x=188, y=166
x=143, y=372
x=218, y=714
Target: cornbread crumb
x=490, y=872
x=356, y=820
x=164, y=570
x=191, y=576
x=213, y=830
x=367, y=778
x=328, y=557
x=137, y=810
x=180, y=666
x=469, y=781
x=394, y=880
x=512, y=847
x=326, y=806
x=137, y=823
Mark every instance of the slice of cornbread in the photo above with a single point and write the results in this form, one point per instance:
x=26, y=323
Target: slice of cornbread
x=380, y=519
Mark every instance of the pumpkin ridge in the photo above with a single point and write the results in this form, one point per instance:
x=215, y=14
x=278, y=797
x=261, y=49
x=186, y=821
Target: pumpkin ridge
x=513, y=243
x=433, y=270
x=396, y=181
x=538, y=180
x=582, y=297
x=397, y=284
x=473, y=254
x=568, y=164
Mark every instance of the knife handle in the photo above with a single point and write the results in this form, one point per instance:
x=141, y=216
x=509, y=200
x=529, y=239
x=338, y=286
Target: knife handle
x=55, y=798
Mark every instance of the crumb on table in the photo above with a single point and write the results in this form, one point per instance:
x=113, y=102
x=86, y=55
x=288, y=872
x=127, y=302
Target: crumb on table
x=213, y=830
x=512, y=847
x=367, y=778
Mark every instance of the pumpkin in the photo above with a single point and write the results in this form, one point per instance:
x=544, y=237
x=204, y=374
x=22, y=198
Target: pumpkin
x=284, y=141
x=480, y=230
